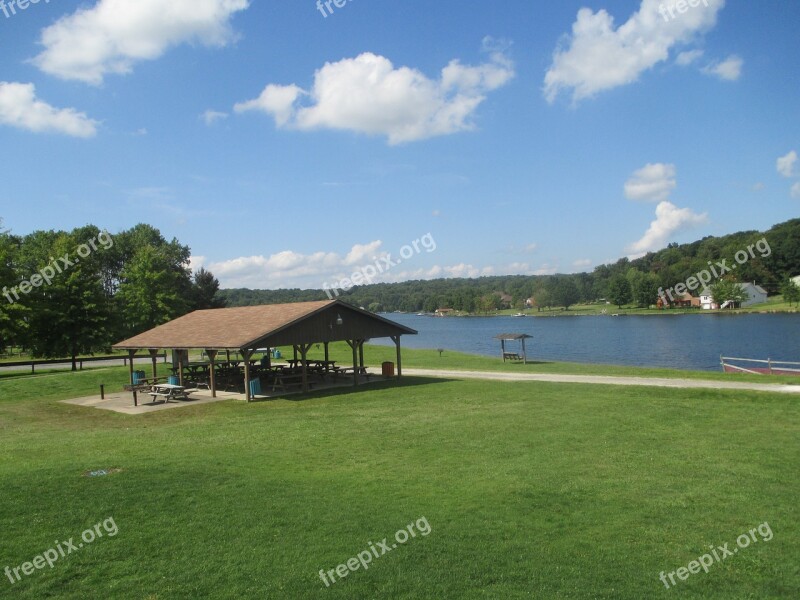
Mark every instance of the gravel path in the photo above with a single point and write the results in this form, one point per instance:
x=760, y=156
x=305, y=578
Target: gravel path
x=610, y=380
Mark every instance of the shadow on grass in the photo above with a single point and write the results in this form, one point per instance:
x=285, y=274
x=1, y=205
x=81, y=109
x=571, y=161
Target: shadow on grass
x=360, y=389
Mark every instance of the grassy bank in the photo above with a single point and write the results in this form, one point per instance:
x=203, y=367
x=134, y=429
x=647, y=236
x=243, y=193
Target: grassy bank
x=530, y=490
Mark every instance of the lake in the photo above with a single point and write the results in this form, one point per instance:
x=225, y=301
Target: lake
x=672, y=341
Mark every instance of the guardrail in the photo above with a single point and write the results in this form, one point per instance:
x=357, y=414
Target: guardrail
x=773, y=367
x=68, y=361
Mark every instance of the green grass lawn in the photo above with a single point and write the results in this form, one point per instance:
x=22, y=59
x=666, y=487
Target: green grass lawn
x=531, y=490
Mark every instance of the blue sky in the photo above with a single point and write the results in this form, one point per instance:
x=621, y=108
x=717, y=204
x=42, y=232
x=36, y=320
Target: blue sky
x=288, y=148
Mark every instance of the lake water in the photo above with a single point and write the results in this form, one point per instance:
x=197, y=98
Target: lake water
x=671, y=341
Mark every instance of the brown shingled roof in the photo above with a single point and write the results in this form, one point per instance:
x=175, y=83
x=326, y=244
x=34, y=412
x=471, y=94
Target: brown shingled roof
x=223, y=327
x=241, y=327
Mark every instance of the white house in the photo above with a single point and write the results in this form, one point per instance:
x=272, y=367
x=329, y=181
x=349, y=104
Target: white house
x=755, y=293
x=796, y=280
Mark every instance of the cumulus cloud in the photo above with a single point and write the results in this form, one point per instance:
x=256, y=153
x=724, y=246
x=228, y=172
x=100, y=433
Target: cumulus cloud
x=729, y=69
x=651, y=183
x=19, y=107
x=796, y=190
x=368, y=94
x=786, y=164
x=669, y=220
x=598, y=56
x=113, y=35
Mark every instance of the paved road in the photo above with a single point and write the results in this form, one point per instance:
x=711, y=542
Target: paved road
x=610, y=380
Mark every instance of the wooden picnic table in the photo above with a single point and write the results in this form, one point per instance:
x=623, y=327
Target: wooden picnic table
x=168, y=391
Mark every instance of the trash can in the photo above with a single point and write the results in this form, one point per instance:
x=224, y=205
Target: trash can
x=255, y=387
x=388, y=369
x=138, y=376
x=174, y=380
x=276, y=353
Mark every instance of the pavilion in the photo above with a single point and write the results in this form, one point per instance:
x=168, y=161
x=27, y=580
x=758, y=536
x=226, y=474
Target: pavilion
x=249, y=328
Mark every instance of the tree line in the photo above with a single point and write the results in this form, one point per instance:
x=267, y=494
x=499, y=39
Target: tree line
x=624, y=282
x=71, y=293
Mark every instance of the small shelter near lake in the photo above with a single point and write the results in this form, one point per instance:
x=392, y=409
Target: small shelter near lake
x=249, y=328
x=514, y=337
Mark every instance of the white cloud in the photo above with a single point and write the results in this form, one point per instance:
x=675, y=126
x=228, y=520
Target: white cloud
x=786, y=164
x=685, y=59
x=212, y=116
x=19, y=107
x=598, y=56
x=113, y=35
x=669, y=220
x=582, y=263
x=729, y=69
x=652, y=183
x=367, y=94
x=796, y=190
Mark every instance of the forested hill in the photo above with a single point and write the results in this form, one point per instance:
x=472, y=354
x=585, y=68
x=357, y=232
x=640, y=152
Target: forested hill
x=773, y=263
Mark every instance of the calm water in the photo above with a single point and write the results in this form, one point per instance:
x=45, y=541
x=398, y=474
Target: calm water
x=671, y=341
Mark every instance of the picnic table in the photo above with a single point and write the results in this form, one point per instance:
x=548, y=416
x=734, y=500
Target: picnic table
x=168, y=391
x=511, y=356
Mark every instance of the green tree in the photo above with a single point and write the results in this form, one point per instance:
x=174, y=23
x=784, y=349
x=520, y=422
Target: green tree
x=727, y=291
x=619, y=290
x=790, y=291
x=13, y=311
x=206, y=291
x=563, y=291
x=71, y=313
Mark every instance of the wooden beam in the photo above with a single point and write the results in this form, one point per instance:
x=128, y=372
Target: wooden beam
x=131, y=354
x=524, y=354
x=396, y=340
x=154, y=358
x=212, y=357
x=354, y=346
x=326, y=353
x=246, y=354
x=361, y=353
x=304, y=355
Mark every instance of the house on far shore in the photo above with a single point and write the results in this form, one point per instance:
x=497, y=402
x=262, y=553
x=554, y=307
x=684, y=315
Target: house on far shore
x=755, y=293
x=444, y=312
x=796, y=280
x=685, y=300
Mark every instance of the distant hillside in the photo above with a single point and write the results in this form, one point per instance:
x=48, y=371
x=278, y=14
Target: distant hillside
x=772, y=264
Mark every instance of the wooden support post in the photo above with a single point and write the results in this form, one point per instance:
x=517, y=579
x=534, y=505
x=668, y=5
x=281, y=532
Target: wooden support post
x=396, y=340
x=524, y=353
x=212, y=357
x=295, y=353
x=353, y=345
x=326, y=354
x=246, y=354
x=361, y=354
x=130, y=368
x=180, y=368
x=304, y=356
x=503, y=349
x=154, y=358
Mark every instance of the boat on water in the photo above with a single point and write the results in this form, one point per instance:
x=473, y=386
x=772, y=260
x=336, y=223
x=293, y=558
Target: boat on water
x=519, y=315
x=759, y=367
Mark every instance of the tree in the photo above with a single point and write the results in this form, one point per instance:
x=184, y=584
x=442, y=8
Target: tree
x=155, y=289
x=726, y=291
x=619, y=290
x=205, y=290
x=13, y=312
x=70, y=313
x=563, y=291
x=791, y=292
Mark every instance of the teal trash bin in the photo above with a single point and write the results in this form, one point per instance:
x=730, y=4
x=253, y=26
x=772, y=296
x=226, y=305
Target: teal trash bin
x=277, y=353
x=138, y=376
x=255, y=387
x=174, y=380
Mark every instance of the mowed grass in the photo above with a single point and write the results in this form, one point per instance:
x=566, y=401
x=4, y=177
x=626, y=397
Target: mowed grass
x=531, y=490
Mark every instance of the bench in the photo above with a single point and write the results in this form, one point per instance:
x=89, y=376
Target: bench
x=347, y=370
x=511, y=356
x=285, y=382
